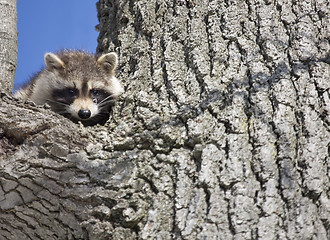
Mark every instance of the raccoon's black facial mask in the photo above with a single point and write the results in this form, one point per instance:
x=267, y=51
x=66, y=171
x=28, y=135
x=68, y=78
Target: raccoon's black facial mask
x=66, y=95
x=99, y=95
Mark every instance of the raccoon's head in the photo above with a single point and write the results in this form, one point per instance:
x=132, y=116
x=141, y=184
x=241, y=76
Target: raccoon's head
x=82, y=86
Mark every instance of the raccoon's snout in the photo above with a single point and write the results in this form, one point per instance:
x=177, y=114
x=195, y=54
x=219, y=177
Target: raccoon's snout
x=84, y=113
x=83, y=109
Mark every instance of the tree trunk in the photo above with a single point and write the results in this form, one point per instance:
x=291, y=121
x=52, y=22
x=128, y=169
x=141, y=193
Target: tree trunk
x=8, y=44
x=223, y=132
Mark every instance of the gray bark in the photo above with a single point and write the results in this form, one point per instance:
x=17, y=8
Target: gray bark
x=223, y=132
x=8, y=44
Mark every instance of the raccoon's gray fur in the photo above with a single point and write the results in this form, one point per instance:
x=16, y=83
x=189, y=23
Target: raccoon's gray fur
x=76, y=84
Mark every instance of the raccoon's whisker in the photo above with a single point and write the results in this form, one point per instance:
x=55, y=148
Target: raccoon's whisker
x=60, y=103
x=106, y=100
x=106, y=104
x=103, y=108
x=62, y=112
x=102, y=113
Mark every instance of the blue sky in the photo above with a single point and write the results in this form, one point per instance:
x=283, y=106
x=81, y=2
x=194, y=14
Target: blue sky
x=49, y=26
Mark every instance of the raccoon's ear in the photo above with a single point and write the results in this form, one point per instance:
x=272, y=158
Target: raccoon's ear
x=53, y=62
x=108, y=61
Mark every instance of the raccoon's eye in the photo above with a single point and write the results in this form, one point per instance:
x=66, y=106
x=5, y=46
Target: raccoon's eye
x=71, y=91
x=98, y=95
x=95, y=92
x=65, y=95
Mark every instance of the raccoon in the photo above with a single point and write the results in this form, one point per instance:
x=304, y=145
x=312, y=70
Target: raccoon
x=77, y=85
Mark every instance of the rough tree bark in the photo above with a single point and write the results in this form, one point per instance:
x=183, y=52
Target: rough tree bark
x=223, y=132
x=8, y=44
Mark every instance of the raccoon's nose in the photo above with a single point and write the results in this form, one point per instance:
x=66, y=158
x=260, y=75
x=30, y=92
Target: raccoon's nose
x=84, y=113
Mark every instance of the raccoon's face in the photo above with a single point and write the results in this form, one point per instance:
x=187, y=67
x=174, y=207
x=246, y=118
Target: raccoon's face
x=83, y=103
x=83, y=87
